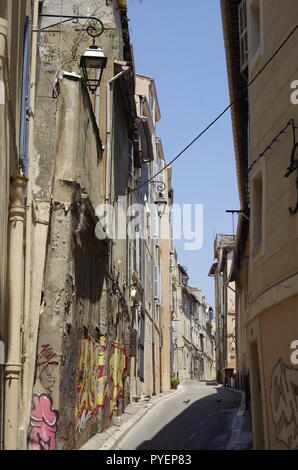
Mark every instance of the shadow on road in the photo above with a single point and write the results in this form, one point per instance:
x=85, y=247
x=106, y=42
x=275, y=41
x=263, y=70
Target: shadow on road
x=206, y=424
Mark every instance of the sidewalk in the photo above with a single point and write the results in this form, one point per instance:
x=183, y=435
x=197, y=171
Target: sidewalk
x=241, y=437
x=109, y=439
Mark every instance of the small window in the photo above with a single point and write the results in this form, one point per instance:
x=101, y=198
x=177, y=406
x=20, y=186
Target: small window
x=151, y=104
x=257, y=201
x=3, y=10
x=255, y=27
x=156, y=281
x=243, y=36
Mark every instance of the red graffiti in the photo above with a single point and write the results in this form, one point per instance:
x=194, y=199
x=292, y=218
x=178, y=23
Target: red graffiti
x=43, y=424
x=46, y=355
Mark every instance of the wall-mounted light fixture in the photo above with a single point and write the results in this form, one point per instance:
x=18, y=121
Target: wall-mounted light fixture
x=161, y=201
x=93, y=61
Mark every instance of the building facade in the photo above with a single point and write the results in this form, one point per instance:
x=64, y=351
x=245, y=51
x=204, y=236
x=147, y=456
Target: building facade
x=85, y=324
x=265, y=264
x=193, y=341
x=225, y=314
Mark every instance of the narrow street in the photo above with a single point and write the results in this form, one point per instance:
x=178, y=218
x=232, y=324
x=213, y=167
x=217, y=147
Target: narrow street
x=198, y=417
x=149, y=220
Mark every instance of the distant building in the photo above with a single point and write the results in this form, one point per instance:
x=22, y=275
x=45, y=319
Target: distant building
x=192, y=336
x=225, y=338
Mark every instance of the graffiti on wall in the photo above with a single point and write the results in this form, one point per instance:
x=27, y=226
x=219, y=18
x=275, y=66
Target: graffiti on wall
x=46, y=362
x=118, y=366
x=284, y=404
x=43, y=423
x=90, y=388
x=101, y=368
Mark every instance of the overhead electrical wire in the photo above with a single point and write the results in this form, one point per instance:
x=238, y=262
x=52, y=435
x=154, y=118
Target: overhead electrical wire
x=211, y=124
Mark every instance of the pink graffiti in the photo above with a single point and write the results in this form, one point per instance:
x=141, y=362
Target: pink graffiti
x=43, y=424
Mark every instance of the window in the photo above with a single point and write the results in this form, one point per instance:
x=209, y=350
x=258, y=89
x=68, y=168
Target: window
x=151, y=104
x=156, y=280
x=3, y=9
x=142, y=264
x=201, y=342
x=155, y=225
x=255, y=27
x=141, y=341
x=257, y=202
x=243, y=36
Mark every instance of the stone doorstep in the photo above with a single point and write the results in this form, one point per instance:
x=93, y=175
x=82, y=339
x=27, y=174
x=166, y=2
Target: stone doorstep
x=109, y=439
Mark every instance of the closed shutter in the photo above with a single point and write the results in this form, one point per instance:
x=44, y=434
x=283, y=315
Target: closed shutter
x=154, y=223
x=141, y=345
x=156, y=282
x=142, y=261
x=144, y=190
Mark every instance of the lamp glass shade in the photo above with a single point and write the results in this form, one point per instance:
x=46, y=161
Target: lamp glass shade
x=161, y=203
x=93, y=61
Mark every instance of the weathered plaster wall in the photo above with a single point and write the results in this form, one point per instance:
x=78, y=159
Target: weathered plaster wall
x=280, y=375
x=79, y=369
x=273, y=333
x=83, y=341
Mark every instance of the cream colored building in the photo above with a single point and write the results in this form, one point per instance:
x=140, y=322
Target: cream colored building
x=193, y=342
x=153, y=360
x=265, y=266
x=225, y=314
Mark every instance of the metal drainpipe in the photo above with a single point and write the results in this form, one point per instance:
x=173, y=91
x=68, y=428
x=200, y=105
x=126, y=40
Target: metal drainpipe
x=3, y=137
x=29, y=225
x=96, y=102
x=12, y=369
x=25, y=99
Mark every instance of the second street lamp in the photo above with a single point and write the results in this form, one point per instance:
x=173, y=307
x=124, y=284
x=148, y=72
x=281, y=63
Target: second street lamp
x=161, y=203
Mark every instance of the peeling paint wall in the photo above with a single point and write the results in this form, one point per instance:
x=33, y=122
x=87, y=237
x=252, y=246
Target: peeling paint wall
x=84, y=329
x=82, y=369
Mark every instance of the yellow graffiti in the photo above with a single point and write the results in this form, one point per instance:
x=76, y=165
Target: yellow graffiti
x=101, y=368
x=118, y=366
x=91, y=378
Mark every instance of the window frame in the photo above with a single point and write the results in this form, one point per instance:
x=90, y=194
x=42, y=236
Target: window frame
x=253, y=58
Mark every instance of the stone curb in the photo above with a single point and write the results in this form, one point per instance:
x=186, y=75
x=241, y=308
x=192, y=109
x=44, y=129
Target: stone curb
x=112, y=442
x=234, y=438
x=241, y=409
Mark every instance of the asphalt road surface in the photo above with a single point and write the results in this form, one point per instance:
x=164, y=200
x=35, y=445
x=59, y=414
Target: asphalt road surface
x=197, y=417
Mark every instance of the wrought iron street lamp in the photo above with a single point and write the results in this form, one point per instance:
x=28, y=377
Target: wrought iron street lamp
x=161, y=203
x=93, y=61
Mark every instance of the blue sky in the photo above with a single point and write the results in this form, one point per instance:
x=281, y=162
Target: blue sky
x=180, y=44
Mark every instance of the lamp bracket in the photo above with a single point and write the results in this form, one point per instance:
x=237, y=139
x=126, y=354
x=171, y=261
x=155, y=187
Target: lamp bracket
x=160, y=185
x=91, y=30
